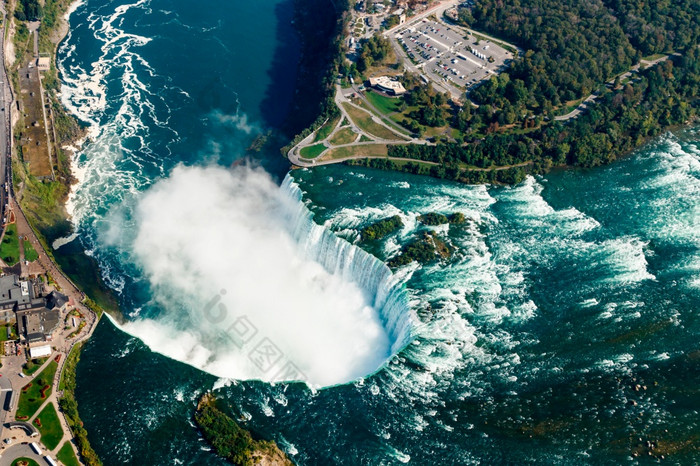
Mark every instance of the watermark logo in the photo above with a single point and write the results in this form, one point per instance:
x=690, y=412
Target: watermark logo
x=260, y=350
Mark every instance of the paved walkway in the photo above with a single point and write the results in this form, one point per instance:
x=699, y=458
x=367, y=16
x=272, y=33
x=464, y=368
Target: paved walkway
x=62, y=342
x=294, y=154
x=592, y=98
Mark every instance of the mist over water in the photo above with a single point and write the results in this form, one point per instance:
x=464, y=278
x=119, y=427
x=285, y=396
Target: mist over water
x=563, y=294
x=217, y=249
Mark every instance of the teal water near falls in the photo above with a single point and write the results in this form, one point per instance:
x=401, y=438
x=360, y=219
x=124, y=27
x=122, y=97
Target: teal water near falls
x=564, y=328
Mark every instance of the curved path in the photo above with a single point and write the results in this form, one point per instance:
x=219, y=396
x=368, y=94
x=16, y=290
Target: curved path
x=20, y=450
x=294, y=154
x=592, y=98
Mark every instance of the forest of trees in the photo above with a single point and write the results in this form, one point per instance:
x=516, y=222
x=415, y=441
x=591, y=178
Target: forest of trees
x=665, y=95
x=374, y=50
x=28, y=10
x=382, y=228
x=231, y=441
x=572, y=47
x=658, y=26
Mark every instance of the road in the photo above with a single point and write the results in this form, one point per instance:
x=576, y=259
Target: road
x=18, y=451
x=61, y=343
x=5, y=134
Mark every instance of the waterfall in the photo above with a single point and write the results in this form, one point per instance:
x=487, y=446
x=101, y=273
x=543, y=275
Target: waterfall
x=339, y=257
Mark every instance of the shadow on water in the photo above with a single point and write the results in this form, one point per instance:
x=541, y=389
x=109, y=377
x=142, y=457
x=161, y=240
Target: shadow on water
x=276, y=104
x=292, y=101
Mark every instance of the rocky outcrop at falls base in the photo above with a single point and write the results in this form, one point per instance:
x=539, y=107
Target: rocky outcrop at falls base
x=231, y=441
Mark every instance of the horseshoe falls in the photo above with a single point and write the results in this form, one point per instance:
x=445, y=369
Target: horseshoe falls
x=563, y=328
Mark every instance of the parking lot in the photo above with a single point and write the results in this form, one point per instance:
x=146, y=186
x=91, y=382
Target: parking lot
x=449, y=55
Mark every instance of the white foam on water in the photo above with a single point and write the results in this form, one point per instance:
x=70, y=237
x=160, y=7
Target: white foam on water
x=313, y=307
x=58, y=243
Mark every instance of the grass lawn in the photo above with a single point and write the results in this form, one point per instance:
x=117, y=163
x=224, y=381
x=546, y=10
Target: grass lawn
x=382, y=103
x=30, y=398
x=66, y=455
x=9, y=248
x=311, y=152
x=401, y=163
x=27, y=461
x=33, y=365
x=369, y=150
x=364, y=138
x=50, y=427
x=364, y=121
x=30, y=253
x=3, y=332
x=343, y=136
x=326, y=129
x=388, y=119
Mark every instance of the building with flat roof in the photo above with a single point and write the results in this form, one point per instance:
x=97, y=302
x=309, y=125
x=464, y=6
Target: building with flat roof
x=40, y=351
x=37, y=313
x=43, y=63
x=388, y=85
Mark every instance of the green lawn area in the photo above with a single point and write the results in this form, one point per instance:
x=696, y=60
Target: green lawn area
x=33, y=365
x=656, y=56
x=3, y=332
x=30, y=253
x=382, y=103
x=343, y=136
x=30, y=398
x=27, y=461
x=9, y=248
x=49, y=426
x=326, y=129
x=388, y=119
x=369, y=150
x=66, y=456
x=364, y=121
x=311, y=152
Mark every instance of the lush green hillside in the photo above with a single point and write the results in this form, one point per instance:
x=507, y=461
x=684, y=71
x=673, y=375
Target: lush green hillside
x=231, y=441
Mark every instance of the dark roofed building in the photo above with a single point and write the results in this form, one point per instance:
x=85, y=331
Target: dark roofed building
x=37, y=314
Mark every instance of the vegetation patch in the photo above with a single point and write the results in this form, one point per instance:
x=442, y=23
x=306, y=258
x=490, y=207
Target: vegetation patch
x=382, y=228
x=66, y=455
x=33, y=365
x=435, y=219
x=427, y=248
x=311, y=152
x=24, y=462
x=49, y=426
x=8, y=332
x=325, y=130
x=343, y=136
x=364, y=121
x=386, y=105
x=233, y=442
x=30, y=253
x=34, y=394
x=69, y=406
x=9, y=248
x=365, y=150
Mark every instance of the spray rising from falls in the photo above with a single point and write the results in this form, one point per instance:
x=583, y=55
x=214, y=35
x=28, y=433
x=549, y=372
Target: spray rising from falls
x=247, y=286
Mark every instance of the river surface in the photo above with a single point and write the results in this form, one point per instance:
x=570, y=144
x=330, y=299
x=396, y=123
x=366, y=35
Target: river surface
x=563, y=329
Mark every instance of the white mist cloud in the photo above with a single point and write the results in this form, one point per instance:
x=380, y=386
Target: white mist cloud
x=282, y=317
x=238, y=121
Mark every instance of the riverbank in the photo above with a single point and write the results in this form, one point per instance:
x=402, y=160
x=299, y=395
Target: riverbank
x=231, y=441
x=513, y=131
x=40, y=200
